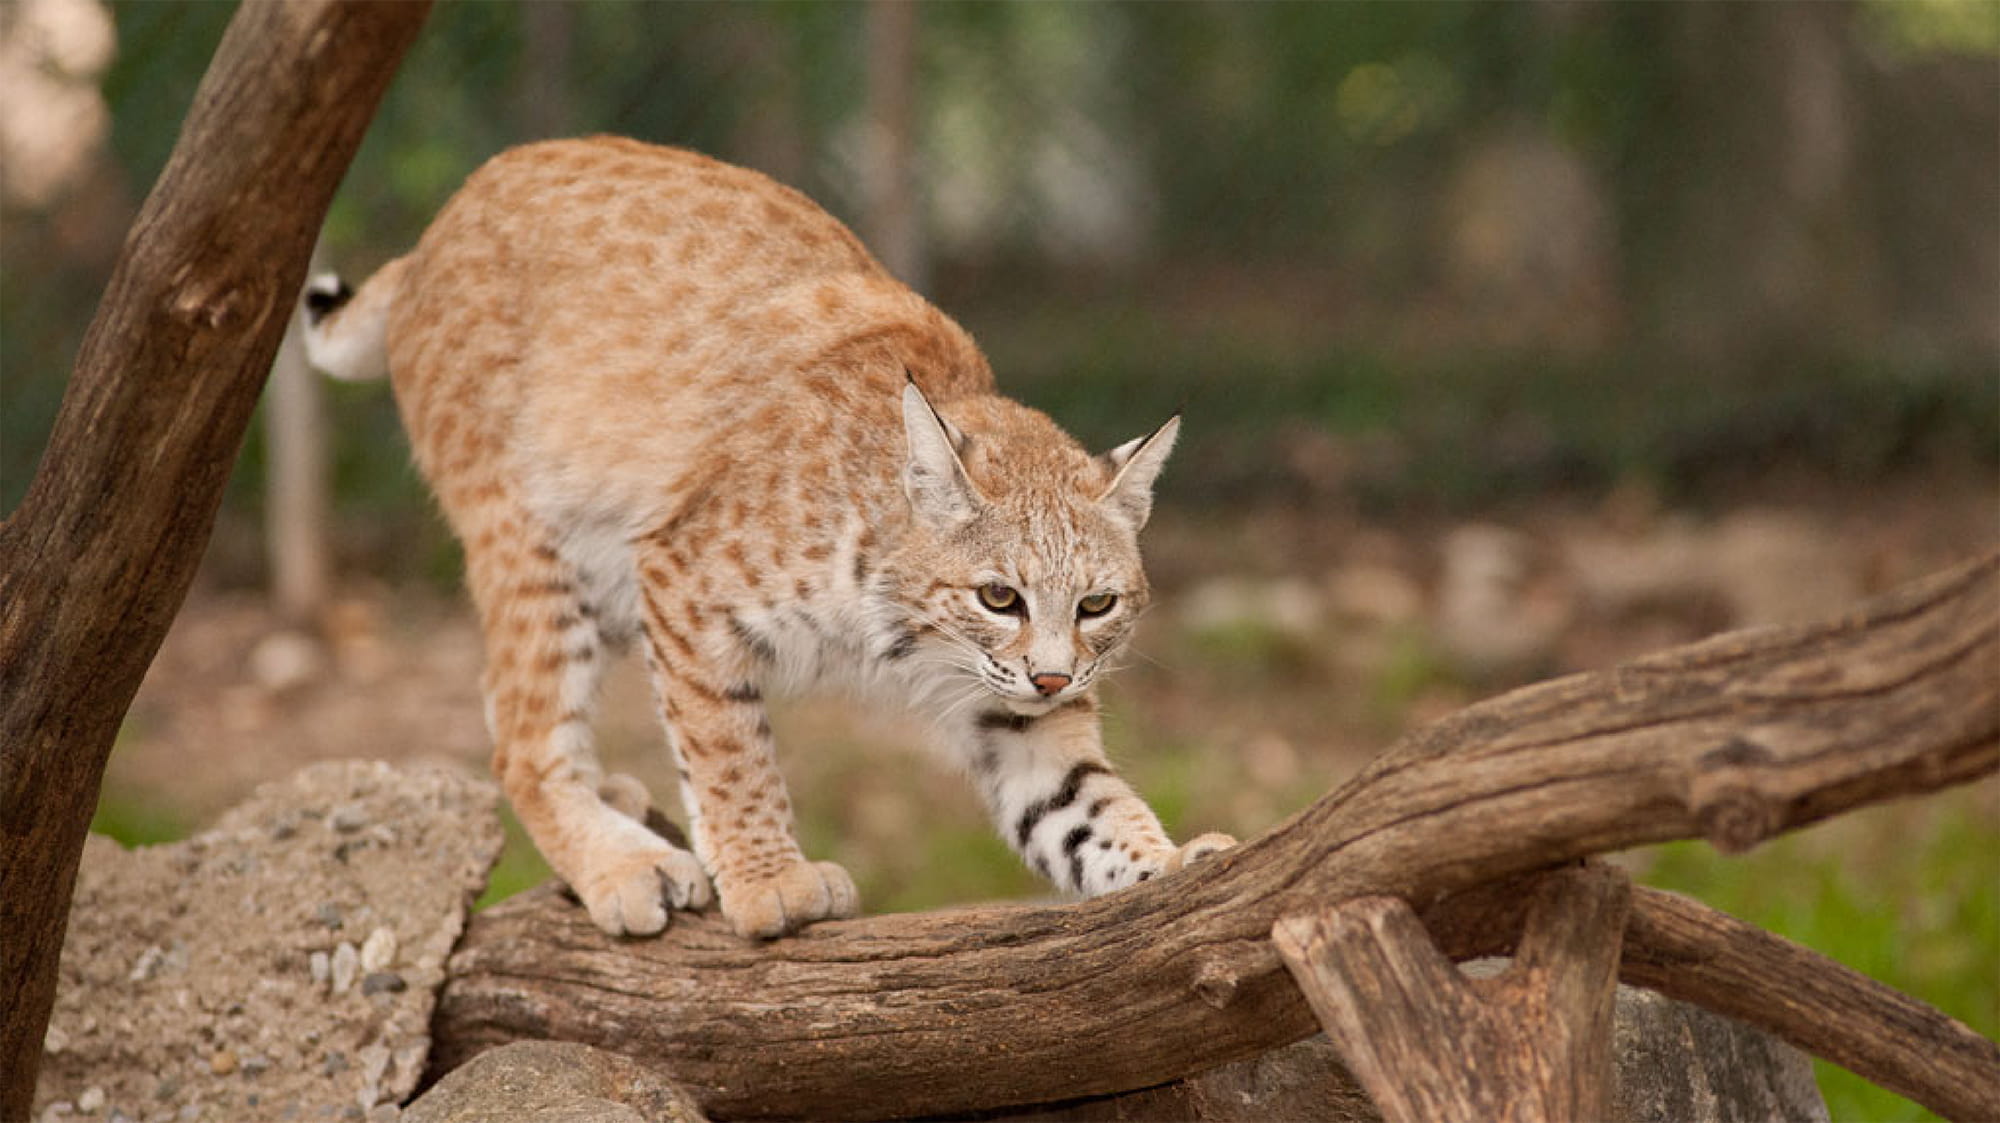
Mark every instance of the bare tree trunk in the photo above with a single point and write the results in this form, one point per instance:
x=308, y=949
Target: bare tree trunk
x=895, y=213
x=1734, y=739
x=542, y=82
x=98, y=557
x=297, y=504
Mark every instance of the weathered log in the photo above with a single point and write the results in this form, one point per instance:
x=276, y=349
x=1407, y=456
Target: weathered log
x=97, y=559
x=1734, y=739
x=1530, y=1044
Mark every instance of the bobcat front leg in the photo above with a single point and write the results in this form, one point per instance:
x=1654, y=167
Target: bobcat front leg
x=739, y=814
x=1056, y=801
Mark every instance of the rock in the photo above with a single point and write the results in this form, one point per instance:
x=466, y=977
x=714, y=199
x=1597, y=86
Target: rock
x=1678, y=1062
x=378, y=951
x=346, y=964
x=1672, y=1063
x=286, y=660
x=195, y=976
x=1288, y=607
x=553, y=1082
x=1499, y=612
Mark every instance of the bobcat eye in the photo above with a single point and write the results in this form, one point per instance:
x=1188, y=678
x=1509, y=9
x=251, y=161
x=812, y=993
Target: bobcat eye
x=1096, y=604
x=999, y=598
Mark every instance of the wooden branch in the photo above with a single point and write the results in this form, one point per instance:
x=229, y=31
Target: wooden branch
x=1735, y=739
x=1531, y=1044
x=1688, y=951
x=96, y=561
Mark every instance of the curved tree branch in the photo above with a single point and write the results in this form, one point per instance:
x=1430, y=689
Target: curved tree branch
x=95, y=562
x=1733, y=739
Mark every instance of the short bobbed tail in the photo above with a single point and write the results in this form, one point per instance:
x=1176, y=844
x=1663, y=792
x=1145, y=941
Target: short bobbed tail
x=347, y=331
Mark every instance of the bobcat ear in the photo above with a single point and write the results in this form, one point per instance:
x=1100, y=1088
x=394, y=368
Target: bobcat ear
x=1135, y=465
x=940, y=492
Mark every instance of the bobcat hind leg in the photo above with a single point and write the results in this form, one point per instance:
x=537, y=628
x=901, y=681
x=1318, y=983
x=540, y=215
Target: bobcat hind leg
x=544, y=659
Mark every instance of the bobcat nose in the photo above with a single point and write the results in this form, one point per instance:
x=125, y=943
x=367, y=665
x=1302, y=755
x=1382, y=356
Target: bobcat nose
x=1048, y=682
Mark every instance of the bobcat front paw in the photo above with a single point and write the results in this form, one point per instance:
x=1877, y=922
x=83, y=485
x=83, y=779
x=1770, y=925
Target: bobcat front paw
x=1206, y=846
x=767, y=907
x=628, y=891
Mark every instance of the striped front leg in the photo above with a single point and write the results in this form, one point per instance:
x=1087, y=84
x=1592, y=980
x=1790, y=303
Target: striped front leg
x=739, y=814
x=1058, y=804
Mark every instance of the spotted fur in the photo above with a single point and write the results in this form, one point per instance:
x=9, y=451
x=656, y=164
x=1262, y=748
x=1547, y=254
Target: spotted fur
x=666, y=400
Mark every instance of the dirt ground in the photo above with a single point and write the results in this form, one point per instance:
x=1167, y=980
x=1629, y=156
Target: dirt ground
x=1285, y=649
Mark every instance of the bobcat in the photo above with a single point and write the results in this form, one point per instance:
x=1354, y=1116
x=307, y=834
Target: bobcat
x=666, y=399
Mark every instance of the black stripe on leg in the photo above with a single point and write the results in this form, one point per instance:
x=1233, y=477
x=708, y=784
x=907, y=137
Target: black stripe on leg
x=1072, y=845
x=1066, y=794
x=759, y=645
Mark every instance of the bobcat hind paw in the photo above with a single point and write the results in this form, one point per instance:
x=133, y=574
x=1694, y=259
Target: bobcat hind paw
x=632, y=895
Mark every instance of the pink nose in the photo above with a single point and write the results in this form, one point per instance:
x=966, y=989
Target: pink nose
x=1048, y=682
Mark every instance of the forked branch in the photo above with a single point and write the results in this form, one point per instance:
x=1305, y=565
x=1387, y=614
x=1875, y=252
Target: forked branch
x=1733, y=739
x=1530, y=1044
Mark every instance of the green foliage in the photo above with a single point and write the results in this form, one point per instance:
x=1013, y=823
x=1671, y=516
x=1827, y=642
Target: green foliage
x=137, y=819
x=1904, y=894
x=520, y=866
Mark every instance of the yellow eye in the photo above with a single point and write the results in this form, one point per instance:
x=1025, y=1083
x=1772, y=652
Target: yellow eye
x=999, y=598
x=1096, y=604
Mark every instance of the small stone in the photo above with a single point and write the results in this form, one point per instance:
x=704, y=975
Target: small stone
x=91, y=1100
x=382, y=982
x=346, y=964
x=379, y=949
x=285, y=661
x=222, y=1063
x=334, y=1064
x=55, y=1040
x=347, y=818
x=148, y=964
x=56, y=1112
x=255, y=1066
x=328, y=914
x=320, y=966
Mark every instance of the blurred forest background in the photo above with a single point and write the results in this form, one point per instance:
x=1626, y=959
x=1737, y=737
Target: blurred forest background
x=1513, y=339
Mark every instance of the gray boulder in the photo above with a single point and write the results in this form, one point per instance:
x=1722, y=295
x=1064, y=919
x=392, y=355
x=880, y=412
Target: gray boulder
x=552, y=1082
x=281, y=965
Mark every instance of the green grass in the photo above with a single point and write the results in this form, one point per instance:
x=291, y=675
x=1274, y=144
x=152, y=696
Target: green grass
x=1908, y=895
x=520, y=865
x=136, y=821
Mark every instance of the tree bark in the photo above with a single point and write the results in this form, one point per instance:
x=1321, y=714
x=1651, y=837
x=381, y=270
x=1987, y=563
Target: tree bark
x=1733, y=739
x=1533, y=1043
x=96, y=561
